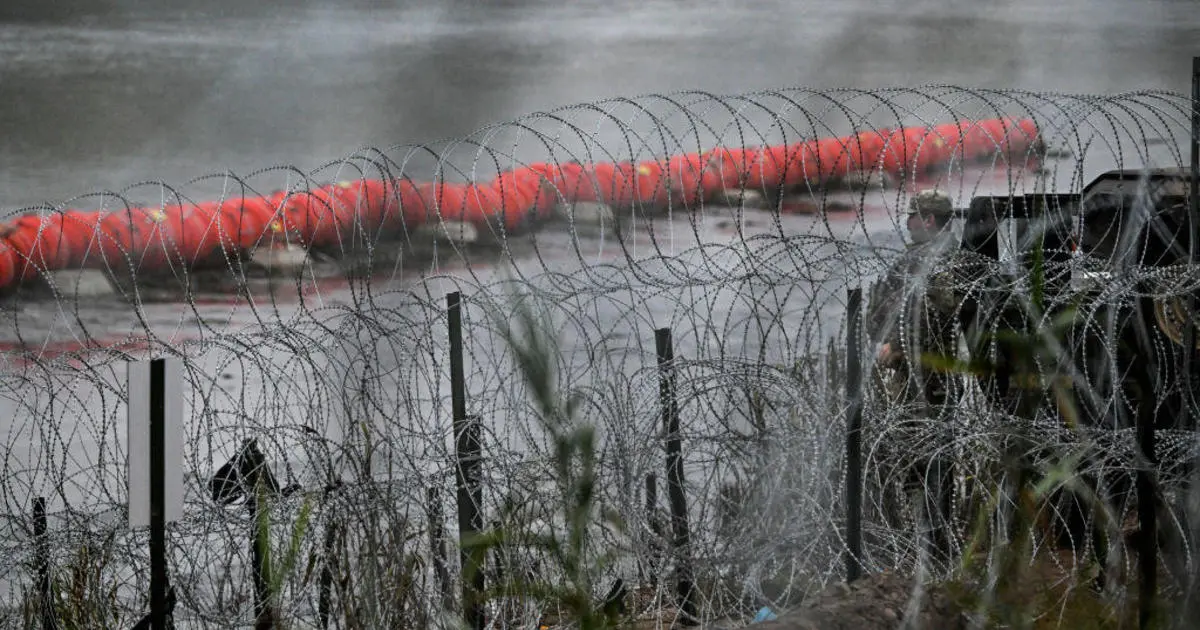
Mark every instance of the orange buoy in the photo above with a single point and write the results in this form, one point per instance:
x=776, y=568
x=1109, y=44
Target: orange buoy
x=79, y=232
x=8, y=263
x=152, y=238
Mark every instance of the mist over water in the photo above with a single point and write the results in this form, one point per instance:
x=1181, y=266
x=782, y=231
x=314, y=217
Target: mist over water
x=102, y=95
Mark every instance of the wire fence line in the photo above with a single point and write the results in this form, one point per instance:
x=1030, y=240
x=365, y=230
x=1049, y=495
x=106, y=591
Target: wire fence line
x=330, y=352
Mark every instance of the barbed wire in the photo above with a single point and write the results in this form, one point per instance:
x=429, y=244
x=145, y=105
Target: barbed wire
x=325, y=342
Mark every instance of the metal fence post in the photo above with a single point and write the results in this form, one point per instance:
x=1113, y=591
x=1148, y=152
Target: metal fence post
x=158, y=546
x=468, y=451
x=470, y=520
x=42, y=553
x=675, y=483
x=854, y=435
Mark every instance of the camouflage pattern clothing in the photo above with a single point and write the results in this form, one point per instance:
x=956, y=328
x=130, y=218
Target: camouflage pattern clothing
x=912, y=313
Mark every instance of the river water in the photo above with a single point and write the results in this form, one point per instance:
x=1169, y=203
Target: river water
x=111, y=94
x=104, y=95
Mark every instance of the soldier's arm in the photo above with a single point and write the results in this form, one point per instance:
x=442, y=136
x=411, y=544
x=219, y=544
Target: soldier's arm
x=878, y=309
x=886, y=322
x=886, y=296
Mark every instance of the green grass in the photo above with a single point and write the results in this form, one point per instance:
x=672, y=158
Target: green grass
x=574, y=556
x=83, y=592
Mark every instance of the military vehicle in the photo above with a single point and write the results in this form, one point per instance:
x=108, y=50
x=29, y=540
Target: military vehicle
x=1086, y=321
x=1074, y=307
x=1107, y=264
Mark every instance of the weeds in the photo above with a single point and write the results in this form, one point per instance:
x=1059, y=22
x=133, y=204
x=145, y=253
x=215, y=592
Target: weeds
x=274, y=575
x=379, y=573
x=568, y=585
x=83, y=593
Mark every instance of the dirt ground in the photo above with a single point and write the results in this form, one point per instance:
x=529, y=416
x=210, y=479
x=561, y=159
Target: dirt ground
x=875, y=601
x=1046, y=594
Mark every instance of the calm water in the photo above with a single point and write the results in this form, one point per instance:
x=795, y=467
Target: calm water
x=109, y=94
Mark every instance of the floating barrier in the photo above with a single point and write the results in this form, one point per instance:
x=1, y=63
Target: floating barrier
x=148, y=239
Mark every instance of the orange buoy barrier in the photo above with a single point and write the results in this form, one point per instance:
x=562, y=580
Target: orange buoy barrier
x=324, y=216
x=731, y=167
x=547, y=198
x=241, y=221
x=416, y=208
x=127, y=238
x=195, y=232
x=30, y=253
x=153, y=238
x=77, y=236
x=8, y=263
x=690, y=179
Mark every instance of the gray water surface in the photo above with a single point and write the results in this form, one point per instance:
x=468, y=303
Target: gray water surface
x=110, y=94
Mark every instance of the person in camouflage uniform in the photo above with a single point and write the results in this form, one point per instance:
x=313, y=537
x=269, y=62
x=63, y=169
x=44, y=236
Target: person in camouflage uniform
x=912, y=314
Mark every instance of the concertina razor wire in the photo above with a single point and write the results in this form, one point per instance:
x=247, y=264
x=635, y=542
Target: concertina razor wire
x=308, y=310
